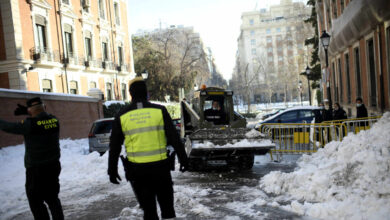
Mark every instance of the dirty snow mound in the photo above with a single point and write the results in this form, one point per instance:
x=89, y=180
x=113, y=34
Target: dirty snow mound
x=344, y=180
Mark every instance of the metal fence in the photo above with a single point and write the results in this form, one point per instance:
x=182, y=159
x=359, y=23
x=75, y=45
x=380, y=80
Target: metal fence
x=307, y=138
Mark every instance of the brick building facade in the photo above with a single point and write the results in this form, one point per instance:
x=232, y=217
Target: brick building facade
x=66, y=46
x=358, y=53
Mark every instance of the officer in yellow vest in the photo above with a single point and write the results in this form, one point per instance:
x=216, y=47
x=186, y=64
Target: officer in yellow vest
x=146, y=129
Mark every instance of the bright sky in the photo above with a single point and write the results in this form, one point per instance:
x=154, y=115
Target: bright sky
x=217, y=21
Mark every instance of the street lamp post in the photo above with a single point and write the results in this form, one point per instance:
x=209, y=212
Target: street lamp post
x=325, y=39
x=308, y=71
x=300, y=90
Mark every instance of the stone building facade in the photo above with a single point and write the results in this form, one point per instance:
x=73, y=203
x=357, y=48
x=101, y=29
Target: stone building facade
x=66, y=46
x=358, y=53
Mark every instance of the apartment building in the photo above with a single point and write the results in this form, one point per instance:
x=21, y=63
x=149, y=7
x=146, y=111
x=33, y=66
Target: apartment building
x=358, y=52
x=66, y=46
x=271, y=47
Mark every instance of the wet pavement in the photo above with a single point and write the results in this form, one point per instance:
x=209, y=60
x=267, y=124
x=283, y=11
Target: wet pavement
x=222, y=187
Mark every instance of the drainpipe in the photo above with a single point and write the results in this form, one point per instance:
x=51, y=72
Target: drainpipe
x=63, y=49
x=113, y=50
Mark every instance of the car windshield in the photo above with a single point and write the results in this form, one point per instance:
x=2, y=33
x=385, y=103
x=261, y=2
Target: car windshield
x=103, y=127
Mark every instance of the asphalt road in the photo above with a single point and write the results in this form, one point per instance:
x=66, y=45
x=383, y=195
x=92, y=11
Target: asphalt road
x=223, y=187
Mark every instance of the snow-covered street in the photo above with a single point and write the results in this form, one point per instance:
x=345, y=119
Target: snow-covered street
x=345, y=180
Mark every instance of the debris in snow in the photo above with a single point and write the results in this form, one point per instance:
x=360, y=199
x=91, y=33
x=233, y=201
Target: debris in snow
x=344, y=180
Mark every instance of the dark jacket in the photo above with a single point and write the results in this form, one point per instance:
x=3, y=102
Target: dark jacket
x=41, y=137
x=218, y=117
x=327, y=115
x=361, y=112
x=339, y=114
x=117, y=138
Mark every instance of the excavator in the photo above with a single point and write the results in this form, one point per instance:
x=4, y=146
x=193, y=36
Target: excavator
x=215, y=135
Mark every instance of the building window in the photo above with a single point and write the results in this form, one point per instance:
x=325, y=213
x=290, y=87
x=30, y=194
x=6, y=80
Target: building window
x=65, y=2
x=268, y=31
x=269, y=39
x=47, y=86
x=357, y=73
x=288, y=28
x=335, y=87
x=270, y=59
x=253, y=51
x=349, y=99
x=269, y=49
x=278, y=29
x=252, y=33
x=68, y=40
x=280, y=49
x=40, y=26
x=102, y=13
x=280, y=59
x=253, y=42
x=105, y=51
x=371, y=72
x=278, y=38
x=88, y=45
x=388, y=55
x=251, y=21
x=340, y=83
x=120, y=55
x=109, y=91
x=124, y=91
x=342, y=6
x=92, y=85
x=116, y=11
x=73, y=87
x=334, y=9
x=85, y=5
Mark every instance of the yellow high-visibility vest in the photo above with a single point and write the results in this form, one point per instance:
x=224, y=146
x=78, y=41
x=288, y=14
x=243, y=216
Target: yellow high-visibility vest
x=144, y=133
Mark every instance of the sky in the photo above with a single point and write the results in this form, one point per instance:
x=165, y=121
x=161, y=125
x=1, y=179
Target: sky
x=217, y=21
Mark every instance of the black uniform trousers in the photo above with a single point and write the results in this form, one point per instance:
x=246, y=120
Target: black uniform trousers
x=151, y=184
x=42, y=186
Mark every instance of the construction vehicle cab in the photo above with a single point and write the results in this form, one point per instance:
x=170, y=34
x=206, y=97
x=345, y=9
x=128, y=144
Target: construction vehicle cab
x=213, y=131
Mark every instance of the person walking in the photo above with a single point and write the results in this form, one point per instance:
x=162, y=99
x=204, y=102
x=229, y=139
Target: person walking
x=41, y=159
x=146, y=129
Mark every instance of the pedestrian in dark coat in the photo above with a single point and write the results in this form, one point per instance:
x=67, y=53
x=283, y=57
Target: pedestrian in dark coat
x=326, y=112
x=41, y=159
x=338, y=112
x=146, y=129
x=361, y=111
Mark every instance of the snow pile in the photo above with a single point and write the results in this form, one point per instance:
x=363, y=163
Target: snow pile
x=344, y=180
x=239, y=144
x=83, y=178
x=253, y=134
x=108, y=103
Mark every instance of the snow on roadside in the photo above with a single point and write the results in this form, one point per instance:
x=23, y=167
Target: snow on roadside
x=344, y=180
x=82, y=175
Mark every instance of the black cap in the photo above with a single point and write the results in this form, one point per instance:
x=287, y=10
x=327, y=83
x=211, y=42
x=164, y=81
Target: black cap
x=34, y=101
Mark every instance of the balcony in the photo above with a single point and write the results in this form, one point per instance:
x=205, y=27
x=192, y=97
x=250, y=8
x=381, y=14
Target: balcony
x=44, y=55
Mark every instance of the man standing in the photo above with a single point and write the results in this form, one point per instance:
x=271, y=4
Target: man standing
x=41, y=159
x=339, y=113
x=146, y=129
x=327, y=111
x=361, y=111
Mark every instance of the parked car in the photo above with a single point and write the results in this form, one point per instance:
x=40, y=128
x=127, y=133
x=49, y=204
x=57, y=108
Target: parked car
x=300, y=114
x=272, y=113
x=177, y=124
x=99, y=135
